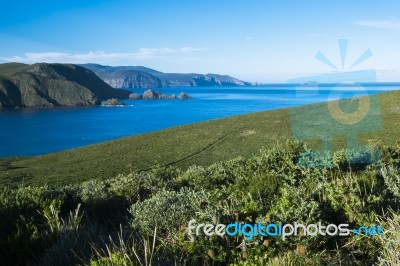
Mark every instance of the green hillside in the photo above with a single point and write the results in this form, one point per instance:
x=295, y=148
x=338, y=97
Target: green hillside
x=9, y=69
x=202, y=144
x=49, y=85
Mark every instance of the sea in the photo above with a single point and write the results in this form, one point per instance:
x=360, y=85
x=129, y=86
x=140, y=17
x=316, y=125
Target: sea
x=25, y=132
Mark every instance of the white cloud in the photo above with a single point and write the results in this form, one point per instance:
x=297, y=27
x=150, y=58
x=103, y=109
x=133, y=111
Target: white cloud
x=389, y=24
x=151, y=52
x=100, y=56
x=189, y=49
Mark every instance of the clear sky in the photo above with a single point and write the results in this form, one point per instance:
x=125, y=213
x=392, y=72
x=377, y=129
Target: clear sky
x=255, y=40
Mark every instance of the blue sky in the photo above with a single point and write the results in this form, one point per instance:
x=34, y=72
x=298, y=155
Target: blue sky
x=265, y=41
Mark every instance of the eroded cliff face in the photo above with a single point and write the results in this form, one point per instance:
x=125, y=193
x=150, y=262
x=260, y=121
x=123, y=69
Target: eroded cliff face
x=49, y=85
x=142, y=77
x=131, y=79
x=10, y=96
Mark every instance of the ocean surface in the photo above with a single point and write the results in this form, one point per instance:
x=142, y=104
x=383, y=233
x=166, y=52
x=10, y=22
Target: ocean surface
x=40, y=131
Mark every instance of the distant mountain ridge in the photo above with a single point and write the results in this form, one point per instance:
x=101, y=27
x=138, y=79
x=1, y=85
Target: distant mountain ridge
x=125, y=77
x=49, y=85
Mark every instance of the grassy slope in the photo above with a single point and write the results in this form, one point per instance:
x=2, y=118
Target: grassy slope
x=201, y=143
x=9, y=69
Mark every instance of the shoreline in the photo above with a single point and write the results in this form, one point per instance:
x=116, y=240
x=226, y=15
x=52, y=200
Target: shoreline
x=129, y=104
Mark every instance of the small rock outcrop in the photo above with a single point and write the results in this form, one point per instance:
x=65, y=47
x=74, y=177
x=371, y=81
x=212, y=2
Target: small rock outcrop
x=151, y=95
x=155, y=95
x=135, y=96
x=112, y=103
x=184, y=96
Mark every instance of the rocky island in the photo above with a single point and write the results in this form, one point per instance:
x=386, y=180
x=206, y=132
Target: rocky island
x=50, y=85
x=113, y=102
x=155, y=95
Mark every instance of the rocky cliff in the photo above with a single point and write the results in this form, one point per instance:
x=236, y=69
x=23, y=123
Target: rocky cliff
x=48, y=85
x=142, y=77
x=125, y=77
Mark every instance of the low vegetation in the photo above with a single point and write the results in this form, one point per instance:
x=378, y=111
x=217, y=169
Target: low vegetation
x=140, y=218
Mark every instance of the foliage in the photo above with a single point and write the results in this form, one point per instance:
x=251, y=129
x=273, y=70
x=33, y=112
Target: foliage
x=141, y=218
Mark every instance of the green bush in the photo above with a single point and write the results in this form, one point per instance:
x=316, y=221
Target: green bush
x=83, y=223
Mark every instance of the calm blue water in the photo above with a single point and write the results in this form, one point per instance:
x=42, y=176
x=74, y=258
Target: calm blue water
x=40, y=131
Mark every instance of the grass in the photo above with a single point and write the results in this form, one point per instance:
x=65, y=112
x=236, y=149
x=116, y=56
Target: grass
x=9, y=69
x=142, y=218
x=201, y=144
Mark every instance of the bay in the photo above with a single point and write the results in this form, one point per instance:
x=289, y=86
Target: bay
x=39, y=131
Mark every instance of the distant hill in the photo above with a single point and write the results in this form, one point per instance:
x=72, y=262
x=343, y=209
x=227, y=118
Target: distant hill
x=142, y=77
x=48, y=85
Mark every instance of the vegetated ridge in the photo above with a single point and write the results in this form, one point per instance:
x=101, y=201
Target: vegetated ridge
x=49, y=85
